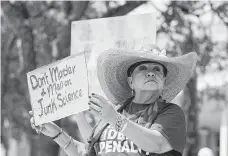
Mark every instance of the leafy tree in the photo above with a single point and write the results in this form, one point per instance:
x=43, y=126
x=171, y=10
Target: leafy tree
x=35, y=33
x=182, y=25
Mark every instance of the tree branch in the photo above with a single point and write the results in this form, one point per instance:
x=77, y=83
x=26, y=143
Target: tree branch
x=44, y=11
x=4, y=81
x=78, y=10
x=218, y=13
x=123, y=10
x=5, y=63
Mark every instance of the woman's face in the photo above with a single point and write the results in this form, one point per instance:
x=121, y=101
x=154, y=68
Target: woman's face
x=147, y=77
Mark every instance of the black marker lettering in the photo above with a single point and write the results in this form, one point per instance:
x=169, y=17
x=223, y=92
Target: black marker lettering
x=53, y=105
x=80, y=92
x=47, y=109
x=34, y=82
x=39, y=101
x=59, y=98
x=53, y=72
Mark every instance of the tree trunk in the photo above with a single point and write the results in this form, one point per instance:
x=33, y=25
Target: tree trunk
x=189, y=103
x=16, y=15
x=18, y=20
x=123, y=10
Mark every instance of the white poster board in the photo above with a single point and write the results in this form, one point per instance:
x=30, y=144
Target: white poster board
x=59, y=89
x=94, y=36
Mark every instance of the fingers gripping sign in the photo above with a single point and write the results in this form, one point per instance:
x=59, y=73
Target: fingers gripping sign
x=38, y=129
x=94, y=108
x=100, y=106
x=49, y=129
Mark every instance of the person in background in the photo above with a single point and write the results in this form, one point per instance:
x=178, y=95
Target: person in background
x=137, y=118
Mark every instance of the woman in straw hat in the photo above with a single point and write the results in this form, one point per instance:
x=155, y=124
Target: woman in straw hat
x=138, y=118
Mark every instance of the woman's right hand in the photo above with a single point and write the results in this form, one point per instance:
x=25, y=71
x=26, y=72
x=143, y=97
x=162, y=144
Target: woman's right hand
x=49, y=129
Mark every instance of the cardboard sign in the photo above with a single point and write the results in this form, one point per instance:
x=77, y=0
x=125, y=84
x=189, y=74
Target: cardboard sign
x=59, y=89
x=95, y=36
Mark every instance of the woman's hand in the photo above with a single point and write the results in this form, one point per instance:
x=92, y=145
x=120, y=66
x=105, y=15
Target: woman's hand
x=49, y=129
x=101, y=107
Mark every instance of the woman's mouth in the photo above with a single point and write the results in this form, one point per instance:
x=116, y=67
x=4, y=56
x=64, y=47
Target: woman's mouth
x=150, y=81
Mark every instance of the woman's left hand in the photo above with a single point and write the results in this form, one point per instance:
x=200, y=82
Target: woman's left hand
x=101, y=107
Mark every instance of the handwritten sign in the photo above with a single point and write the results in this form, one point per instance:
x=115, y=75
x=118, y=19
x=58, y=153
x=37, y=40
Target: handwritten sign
x=97, y=35
x=59, y=89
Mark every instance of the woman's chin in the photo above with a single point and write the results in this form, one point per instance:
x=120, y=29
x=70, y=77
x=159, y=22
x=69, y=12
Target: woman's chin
x=151, y=86
x=151, y=89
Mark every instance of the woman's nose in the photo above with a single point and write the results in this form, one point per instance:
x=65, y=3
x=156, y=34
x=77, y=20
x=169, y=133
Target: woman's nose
x=150, y=74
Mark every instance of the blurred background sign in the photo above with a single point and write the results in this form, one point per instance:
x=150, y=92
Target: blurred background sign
x=97, y=35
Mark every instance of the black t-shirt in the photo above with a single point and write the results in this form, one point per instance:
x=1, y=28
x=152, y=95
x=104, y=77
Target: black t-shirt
x=170, y=122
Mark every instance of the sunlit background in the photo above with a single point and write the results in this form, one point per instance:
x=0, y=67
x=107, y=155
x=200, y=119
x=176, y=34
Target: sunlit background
x=34, y=34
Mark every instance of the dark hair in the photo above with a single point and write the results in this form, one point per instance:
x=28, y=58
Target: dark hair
x=132, y=67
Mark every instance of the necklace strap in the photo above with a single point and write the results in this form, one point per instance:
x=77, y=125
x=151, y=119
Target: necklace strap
x=124, y=104
x=147, y=116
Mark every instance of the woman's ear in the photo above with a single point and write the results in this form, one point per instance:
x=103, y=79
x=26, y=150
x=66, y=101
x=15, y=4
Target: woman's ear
x=129, y=80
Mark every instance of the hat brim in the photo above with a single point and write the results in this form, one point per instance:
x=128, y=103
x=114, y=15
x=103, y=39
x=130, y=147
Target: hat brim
x=112, y=66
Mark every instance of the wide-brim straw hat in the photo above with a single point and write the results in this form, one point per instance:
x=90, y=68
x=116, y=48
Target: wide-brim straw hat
x=112, y=66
